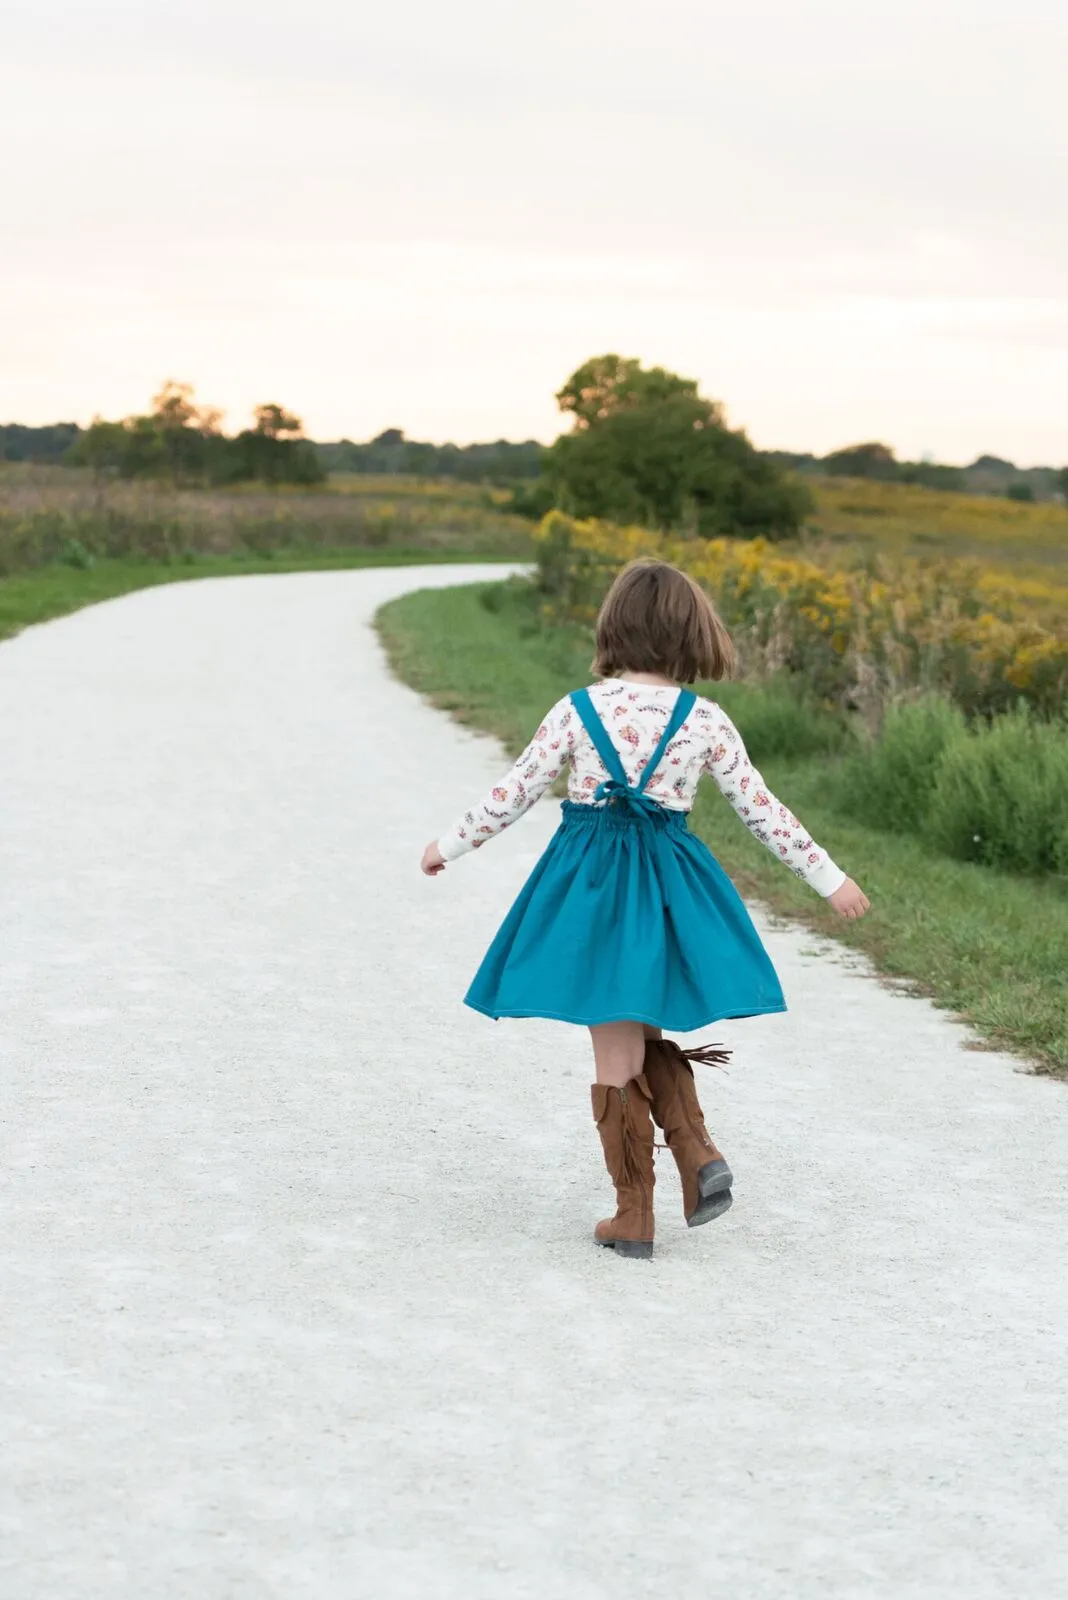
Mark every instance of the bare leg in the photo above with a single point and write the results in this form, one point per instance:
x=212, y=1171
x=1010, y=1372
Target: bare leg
x=618, y=1052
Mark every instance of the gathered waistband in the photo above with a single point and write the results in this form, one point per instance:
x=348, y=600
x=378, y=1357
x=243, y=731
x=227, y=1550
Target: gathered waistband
x=621, y=816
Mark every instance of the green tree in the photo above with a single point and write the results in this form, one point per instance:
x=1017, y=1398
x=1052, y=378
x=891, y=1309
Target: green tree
x=862, y=461
x=274, y=450
x=183, y=441
x=932, y=475
x=130, y=449
x=648, y=448
x=53, y=442
x=187, y=431
x=277, y=423
x=102, y=448
x=607, y=385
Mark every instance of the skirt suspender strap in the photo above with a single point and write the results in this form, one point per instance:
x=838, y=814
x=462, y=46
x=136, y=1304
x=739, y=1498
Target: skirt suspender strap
x=683, y=706
x=599, y=734
x=607, y=750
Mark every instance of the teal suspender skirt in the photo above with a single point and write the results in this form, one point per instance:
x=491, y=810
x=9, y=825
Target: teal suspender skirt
x=627, y=916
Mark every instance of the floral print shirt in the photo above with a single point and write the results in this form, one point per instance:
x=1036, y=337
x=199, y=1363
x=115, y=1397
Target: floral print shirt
x=635, y=715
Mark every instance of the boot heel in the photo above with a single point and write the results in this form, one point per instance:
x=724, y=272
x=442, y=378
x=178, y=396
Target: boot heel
x=713, y=1178
x=639, y=1249
x=708, y=1210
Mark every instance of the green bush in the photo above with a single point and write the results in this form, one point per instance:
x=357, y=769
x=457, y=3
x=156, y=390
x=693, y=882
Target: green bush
x=775, y=720
x=648, y=448
x=1001, y=797
x=534, y=499
x=890, y=782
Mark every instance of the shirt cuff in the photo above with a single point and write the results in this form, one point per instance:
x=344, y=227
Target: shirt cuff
x=452, y=847
x=827, y=879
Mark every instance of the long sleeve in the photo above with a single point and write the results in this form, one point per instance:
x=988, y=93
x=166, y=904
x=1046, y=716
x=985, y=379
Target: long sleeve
x=537, y=768
x=766, y=817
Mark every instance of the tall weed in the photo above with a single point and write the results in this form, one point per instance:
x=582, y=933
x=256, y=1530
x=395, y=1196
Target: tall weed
x=1001, y=796
x=890, y=781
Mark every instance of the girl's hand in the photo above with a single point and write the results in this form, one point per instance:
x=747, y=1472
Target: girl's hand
x=850, y=900
x=433, y=861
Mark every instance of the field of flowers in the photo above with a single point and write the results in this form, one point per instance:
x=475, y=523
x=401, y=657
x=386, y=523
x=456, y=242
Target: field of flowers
x=861, y=627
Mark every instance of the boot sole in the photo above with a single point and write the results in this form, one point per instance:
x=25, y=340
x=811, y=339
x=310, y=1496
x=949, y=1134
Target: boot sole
x=639, y=1249
x=708, y=1210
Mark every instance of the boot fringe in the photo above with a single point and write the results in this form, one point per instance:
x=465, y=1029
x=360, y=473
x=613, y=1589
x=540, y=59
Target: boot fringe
x=631, y=1148
x=708, y=1055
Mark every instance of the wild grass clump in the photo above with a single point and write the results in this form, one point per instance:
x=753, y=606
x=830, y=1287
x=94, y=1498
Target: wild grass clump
x=889, y=781
x=995, y=792
x=1001, y=795
x=775, y=720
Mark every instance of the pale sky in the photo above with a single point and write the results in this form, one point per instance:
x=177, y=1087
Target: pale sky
x=846, y=219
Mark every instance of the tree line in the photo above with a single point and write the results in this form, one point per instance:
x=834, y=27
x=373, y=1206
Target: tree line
x=644, y=446
x=177, y=436
x=177, y=440
x=391, y=452
x=986, y=475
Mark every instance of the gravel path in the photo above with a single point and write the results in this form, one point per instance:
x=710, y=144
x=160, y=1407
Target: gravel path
x=297, y=1288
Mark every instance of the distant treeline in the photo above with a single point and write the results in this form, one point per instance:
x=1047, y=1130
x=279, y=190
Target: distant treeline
x=48, y=444
x=142, y=446
x=178, y=441
x=985, y=475
x=391, y=452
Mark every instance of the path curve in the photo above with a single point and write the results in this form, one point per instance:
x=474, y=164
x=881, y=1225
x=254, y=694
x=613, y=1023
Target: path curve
x=297, y=1288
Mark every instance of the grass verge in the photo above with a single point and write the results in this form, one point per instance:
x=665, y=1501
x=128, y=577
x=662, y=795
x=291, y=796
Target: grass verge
x=54, y=591
x=990, y=946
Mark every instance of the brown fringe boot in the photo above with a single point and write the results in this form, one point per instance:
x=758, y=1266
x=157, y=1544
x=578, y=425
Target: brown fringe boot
x=626, y=1129
x=706, y=1177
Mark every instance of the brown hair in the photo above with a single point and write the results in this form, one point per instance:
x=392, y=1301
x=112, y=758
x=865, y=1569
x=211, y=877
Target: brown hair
x=657, y=619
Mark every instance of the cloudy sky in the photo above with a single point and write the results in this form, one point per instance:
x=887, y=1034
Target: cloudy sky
x=847, y=220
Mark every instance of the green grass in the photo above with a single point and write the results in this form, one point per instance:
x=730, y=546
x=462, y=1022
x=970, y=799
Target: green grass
x=54, y=591
x=990, y=946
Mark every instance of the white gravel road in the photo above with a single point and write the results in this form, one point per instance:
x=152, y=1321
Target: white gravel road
x=298, y=1293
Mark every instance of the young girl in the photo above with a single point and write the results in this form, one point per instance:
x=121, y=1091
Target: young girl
x=628, y=925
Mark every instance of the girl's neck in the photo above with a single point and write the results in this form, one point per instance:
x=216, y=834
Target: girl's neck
x=653, y=679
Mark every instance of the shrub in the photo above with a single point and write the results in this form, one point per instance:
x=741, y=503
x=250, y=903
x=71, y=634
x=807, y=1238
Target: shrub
x=890, y=782
x=534, y=499
x=1001, y=796
x=774, y=720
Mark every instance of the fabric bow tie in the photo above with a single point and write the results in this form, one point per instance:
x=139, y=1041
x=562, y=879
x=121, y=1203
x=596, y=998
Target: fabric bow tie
x=616, y=793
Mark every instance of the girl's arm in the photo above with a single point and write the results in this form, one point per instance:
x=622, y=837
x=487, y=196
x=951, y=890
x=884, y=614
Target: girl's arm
x=540, y=765
x=766, y=817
